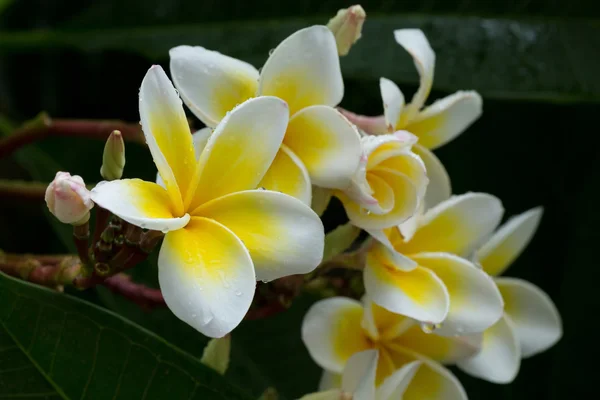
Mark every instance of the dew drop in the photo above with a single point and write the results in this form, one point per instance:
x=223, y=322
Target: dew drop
x=238, y=293
x=429, y=327
x=194, y=315
x=364, y=211
x=271, y=51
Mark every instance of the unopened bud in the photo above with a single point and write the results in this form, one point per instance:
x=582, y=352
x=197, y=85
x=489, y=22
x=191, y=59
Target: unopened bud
x=68, y=199
x=216, y=354
x=346, y=27
x=113, y=158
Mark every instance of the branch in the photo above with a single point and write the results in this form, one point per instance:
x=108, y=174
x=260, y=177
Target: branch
x=22, y=190
x=43, y=126
x=143, y=296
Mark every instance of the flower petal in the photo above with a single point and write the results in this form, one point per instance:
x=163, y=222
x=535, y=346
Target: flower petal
x=304, y=70
x=241, y=149
x=457, y=225
x=327, y=143
x=508, y=242
x=210, y=83
x=283, y=235
x=287, y=174
x=168, y=134
x=333, y=394
x=393, y=103
x=206, y=276
x=359, y=375
x=446, y=350
x=405, y=203
x=141, y=203
x=331, y=331
x=475, y=301
x=418, y=294
x=445, y=119
x=439, y=188
x=432, y=380
x=537, y=322
x=320, y=199
x=394, y=386
x=382, y=324
x=417, y=45
x=329, y=380
x=499, y=359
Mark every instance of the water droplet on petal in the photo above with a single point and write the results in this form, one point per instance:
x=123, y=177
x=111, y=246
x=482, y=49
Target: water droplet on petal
x=238, y=293
x=429, y=327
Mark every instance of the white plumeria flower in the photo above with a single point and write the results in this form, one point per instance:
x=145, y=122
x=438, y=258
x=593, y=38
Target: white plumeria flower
x=434, y=125
x=358, y=380
x=320, y=144
x=531, y=323
x=221, y=235
x=335, y=329
x=422, y=272
x=388, y=185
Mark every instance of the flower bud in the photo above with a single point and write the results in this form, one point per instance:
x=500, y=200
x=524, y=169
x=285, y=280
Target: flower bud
x=68, y=199
x=346, y=27
x=113, y=158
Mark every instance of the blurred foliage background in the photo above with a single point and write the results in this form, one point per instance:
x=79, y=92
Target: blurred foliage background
x=535, y=62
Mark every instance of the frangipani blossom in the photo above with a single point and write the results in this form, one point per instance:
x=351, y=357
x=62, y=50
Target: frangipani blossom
x=320, y=144
x=388, y=185
x=221, y=234
x=358, y=380
x=420, y=271
x=335, y=329
x=530, y=324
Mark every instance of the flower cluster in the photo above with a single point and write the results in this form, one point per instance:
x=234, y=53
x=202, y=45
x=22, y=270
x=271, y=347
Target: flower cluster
x=234, y=202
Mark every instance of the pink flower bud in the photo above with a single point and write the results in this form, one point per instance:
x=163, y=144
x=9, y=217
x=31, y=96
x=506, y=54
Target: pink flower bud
x=68, y=199
x=347, y=27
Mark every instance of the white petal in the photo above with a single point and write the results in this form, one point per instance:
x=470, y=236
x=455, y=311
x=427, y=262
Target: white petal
x=241, y=149
x=503, y=248
x=475, y=301
x=331, y=331
x=359, y=375
x=393, y=103
x=304, y=70
x=458, y=225
x=394, y=386
x=283, y=235
x=329, y=380
x=206, y=276
x=417, y=45
x=439, y=188
x=210, y=83
x=500, y=356
x=327, y=143
x=537, y=322
x=334, y=394
x=143, y=204
x=445, y=119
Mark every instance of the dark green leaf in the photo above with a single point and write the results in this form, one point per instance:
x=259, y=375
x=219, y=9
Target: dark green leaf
x=57, y=345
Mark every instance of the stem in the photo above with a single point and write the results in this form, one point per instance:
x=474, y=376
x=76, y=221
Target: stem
x=139, y=294
x=43, y=126
x=81, y=236
x=22, y=190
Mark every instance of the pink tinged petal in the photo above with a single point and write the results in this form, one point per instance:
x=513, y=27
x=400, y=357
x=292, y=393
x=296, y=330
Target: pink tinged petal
x=439, y=188
x=304, y=70
x=282, y=234
x=445, y=119
x=168, y=135
x=241, y=149
x=331, y=331
x=144, y=204
x=475, y=301
x=500, y=356
x=210, y=83
x=327, y=143
x=393, y=103
x=417, y=293
x=370, y=125
x=206, y=276
x=458, y=225
x=417, y=45
x=537, y=323
x=503, y=248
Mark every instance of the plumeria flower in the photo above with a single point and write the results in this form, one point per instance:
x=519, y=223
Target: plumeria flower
x=337, y=328
x=434, y=125
x=221, y=234
x=388, y=185
x=358, y=380
x=320, y=144
x=530, y=324
x=422, y=272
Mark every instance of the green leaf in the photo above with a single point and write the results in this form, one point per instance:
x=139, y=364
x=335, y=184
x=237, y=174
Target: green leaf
x=57, y=346
x=515, y=58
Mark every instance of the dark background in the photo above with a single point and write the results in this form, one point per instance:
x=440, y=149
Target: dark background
x=535, y=62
